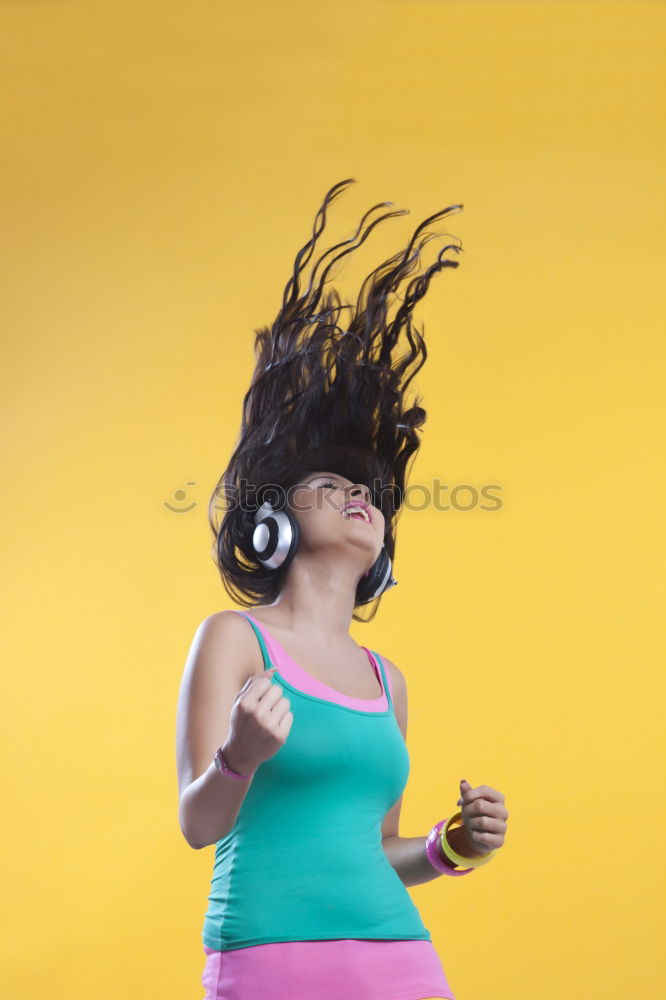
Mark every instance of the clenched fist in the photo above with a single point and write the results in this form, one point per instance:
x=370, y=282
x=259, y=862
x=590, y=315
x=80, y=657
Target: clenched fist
x=484, y=820
x=259, y=723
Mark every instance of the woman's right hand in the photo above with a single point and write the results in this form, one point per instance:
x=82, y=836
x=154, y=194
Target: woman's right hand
x=259, y=723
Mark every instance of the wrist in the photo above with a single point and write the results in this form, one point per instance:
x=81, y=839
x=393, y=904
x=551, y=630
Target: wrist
x=461, y=844
x=236, y=762
x=442, y=856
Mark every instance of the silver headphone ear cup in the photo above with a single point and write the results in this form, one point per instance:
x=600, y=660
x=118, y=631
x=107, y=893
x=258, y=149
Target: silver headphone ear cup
x=387, y=580
x=275, y=537
x=379, y=579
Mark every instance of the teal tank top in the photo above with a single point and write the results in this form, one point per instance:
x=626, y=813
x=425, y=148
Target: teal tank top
x=304, y=860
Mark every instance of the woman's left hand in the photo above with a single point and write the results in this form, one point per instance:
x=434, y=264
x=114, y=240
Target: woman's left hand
x=484, y=820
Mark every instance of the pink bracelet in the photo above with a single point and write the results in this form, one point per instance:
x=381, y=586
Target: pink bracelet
x=432, y=852
x=222, y=766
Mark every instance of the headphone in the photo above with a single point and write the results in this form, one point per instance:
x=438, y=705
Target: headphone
x=275, y=543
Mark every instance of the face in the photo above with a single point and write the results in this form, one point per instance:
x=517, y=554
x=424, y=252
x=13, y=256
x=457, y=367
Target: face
x=318, y=503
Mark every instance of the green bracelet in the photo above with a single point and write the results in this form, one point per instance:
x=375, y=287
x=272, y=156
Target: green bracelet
x=458, y=859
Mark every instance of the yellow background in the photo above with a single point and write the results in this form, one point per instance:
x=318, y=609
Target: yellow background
x=161, y=165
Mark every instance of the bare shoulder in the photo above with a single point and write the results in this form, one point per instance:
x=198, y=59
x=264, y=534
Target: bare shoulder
x=223, y=654
x=399, y=689
x=230, y=628
x=396, y=675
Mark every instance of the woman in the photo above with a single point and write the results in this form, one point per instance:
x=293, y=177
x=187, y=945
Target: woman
x=291, y=737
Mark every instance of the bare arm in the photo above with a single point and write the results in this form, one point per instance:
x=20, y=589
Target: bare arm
x=407, y=855
x=222, y=657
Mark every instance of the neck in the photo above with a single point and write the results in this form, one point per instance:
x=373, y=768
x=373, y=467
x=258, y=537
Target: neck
x=318, y=600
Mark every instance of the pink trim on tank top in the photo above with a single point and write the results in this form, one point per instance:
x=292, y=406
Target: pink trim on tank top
x=303, y=681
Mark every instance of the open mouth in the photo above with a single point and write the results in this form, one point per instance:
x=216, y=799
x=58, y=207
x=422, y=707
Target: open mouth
x=357, y=512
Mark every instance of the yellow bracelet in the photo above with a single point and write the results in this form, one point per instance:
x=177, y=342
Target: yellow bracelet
x=458, y=859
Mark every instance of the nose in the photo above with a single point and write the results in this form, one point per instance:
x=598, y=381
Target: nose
x=359, y=491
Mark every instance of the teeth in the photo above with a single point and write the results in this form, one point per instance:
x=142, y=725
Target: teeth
x=348, y=511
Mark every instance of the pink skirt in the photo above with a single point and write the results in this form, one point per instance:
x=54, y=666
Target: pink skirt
x=340, y=969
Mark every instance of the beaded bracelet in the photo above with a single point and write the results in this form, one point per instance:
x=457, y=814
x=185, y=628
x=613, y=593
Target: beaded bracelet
x=223, y=767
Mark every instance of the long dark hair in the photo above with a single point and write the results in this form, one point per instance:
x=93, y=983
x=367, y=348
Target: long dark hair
x=326, y=394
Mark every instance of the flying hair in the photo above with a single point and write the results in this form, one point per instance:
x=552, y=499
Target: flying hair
x=329, y=392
